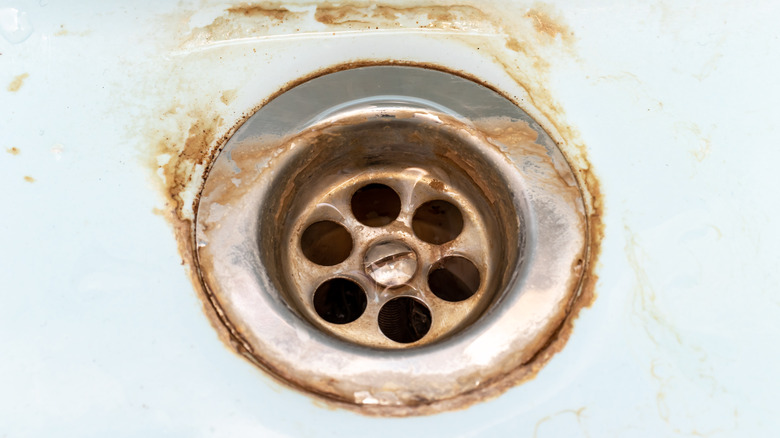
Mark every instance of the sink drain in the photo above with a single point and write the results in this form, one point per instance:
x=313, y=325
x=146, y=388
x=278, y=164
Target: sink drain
x=373, y=201
x=373, y=236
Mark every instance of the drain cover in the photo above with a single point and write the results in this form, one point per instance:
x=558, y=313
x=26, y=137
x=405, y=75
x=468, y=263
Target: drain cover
x=390, y=236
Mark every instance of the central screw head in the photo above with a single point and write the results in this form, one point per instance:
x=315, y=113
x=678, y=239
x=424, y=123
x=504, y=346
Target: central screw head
x=391, y=263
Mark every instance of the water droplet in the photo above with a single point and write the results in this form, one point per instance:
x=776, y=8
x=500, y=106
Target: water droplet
x=15, y=26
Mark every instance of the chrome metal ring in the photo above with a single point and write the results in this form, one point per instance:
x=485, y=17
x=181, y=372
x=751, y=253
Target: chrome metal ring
x=425, y=135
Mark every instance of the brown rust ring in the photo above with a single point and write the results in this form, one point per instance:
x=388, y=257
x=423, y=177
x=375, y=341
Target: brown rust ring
x=380, y=385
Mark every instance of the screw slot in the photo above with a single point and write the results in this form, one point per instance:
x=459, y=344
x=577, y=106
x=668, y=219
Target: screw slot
x=404, y=320
x=437, y=222
x=326, y=243
x=454, y=279
x=376, y=205
x=339, y=301
x=391, y=263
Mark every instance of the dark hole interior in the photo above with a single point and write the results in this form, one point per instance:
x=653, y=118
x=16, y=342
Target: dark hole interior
x=454, y=279
x=437, y=222
x=326, y=243
x=376, y=205
x=339, y=301
x=404, y=320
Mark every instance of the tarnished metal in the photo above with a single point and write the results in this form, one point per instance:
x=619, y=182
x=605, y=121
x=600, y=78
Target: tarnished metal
x=442, y=217
x=390, y=264
x=397, y=155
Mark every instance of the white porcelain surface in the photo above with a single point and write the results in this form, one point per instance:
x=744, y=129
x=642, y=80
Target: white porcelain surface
x=101, y=332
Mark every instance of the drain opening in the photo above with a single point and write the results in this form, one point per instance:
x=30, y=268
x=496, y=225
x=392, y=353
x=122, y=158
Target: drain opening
x=339, y=301
x=437, y=222
x=470, y=229
x=404, y=320
x=391, y=256
x=326, y=243
x=454, y=279
x=376, y=205
x=403, y=175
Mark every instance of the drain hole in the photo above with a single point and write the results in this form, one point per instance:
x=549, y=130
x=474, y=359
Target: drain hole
x=437, y=222
x=404, y=320
x=454, y=279
x=376, y=205
x=326, y=243
x=339, y=301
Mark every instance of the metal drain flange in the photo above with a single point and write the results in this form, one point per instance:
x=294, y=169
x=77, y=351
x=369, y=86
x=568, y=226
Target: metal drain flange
x=391, y=236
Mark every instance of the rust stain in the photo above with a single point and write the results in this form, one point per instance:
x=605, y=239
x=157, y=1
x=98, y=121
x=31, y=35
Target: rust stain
x=548, y=26
x=186, y=137
x=437, y=185
x=17, y=82
x=705, y=143
x=174, y=160
x=388, y=16
x=228, y=96
x=514, y=45
x=576, y=412
x=29, y=179
x=251, y=20
x=645, y=298
x=692, y=133
x=328, y=14
x=666, y=344
x=246, y=21
x=273, y=11
x=194, y=150
x=13, y=151
x=704, y=149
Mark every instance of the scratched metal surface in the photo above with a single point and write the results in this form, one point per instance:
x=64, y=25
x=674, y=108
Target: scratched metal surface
x=101, y=331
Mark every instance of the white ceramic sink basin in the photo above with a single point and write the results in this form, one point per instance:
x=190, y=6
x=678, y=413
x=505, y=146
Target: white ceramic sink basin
x=674, y=105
